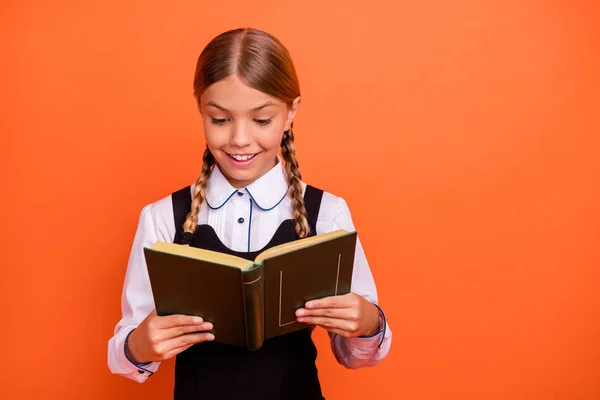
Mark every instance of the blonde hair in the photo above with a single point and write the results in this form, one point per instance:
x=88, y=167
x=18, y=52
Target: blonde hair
x=263, y=63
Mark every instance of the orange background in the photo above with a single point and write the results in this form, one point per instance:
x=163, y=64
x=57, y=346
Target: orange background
x=464, y=136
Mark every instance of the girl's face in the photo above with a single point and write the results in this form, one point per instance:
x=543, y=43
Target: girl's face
x=244, y=128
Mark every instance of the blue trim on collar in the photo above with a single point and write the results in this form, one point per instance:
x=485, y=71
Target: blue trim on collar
x=267, y=209
x=249, y=225
x=222, y=204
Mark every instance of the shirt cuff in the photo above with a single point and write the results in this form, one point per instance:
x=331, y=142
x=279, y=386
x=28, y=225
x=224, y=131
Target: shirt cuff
x=142, y=369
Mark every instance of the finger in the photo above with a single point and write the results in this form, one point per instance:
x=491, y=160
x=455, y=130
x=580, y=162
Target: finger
x=177, y=320
x=176, y=351
x=167, y=347
x=191, y=339
x=342, y=301
x=329, y=323
x=340, y=313
x=185, y=329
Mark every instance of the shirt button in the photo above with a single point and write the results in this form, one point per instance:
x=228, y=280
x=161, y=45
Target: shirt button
x=241, y=220
x=141, y=371
x=240, y=193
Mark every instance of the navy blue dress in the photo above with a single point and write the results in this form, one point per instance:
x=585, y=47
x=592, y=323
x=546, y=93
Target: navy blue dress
x=283, y=368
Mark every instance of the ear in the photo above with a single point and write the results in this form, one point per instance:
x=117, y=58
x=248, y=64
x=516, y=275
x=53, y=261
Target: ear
x=292, y=113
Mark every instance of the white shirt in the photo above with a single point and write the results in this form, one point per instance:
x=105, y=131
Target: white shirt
x=263, y=205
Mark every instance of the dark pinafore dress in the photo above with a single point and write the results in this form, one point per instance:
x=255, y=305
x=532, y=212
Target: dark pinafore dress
x=282, y=369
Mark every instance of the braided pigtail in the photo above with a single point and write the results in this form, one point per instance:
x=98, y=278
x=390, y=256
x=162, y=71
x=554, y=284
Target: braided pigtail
x=288, y=151
x=191, y=221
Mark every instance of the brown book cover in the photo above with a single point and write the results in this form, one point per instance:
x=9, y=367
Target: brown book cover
x=250, y=301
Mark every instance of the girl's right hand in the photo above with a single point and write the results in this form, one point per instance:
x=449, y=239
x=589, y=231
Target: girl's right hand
x=160, y=338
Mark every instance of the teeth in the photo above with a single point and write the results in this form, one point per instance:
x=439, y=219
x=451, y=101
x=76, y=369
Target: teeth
x=241, y=158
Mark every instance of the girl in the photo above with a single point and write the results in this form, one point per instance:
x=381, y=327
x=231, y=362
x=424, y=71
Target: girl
x=246, y=200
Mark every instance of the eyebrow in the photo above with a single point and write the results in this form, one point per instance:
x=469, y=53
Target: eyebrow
x=213, y=104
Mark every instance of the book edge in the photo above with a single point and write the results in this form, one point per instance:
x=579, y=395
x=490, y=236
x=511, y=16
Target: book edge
x=347, y=233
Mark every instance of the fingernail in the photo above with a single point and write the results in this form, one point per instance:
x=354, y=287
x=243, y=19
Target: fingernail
x=299, y=312
x=211, y=337
x=300, y=319
x=197, y=320
x=309, y=305
x=209, y=326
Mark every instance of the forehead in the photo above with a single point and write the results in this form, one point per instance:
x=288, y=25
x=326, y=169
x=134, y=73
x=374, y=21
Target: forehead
x=234, y=95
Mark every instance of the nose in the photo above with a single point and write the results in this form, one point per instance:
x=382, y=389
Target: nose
x=240, y=135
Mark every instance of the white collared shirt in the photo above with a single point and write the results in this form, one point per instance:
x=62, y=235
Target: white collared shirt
x=244, y=220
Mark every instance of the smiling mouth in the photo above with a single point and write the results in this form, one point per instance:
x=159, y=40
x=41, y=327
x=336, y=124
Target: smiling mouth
x=242, y=157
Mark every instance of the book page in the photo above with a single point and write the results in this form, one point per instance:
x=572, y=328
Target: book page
x=202, y=254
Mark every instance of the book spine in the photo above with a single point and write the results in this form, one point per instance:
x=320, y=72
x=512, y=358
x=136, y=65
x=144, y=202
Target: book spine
x=254, y=288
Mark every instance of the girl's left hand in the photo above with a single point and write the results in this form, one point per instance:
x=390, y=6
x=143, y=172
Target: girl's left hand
x=348, y=315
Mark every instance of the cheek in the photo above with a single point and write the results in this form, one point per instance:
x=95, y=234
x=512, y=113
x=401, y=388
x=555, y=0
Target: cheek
x=270, y=138
x=214, y=139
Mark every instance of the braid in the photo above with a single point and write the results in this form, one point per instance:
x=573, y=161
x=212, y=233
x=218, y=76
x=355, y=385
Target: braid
x=189, y=227
x=288, y=151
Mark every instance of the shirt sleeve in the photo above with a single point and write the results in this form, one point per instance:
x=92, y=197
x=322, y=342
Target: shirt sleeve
x=360, y=351
x=136, y=302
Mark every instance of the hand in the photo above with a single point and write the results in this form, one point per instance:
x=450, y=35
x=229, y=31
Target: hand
x=160, y=338
x=348, y=315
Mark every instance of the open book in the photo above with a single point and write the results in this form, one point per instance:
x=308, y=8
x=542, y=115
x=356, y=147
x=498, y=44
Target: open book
x=249, y=301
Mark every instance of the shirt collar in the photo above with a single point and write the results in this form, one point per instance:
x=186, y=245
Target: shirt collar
x=267, y=191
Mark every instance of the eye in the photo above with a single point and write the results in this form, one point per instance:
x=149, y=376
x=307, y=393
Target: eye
x=263, y=122
x=219, y=121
